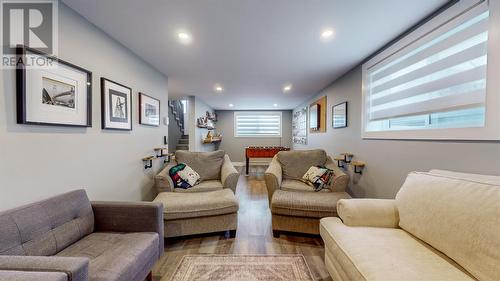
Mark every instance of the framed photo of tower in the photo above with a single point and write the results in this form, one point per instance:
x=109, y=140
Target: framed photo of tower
x=116, y=105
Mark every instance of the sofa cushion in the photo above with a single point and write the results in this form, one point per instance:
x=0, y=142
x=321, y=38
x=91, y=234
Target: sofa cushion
x=297, y=185
x=457, y=216
x=46, y=227
x=115, y=256
x=8, y=275
x=306, y=204
x=206, y=164
x=295, y=163
x=385, y=254
x=201, y=204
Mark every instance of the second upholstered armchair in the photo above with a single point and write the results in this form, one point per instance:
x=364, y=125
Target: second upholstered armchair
x=295, y=206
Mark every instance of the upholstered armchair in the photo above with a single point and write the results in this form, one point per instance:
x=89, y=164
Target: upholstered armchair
x=295, y=206
x=215, y=169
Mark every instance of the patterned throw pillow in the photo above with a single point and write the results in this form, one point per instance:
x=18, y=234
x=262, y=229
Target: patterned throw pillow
x=183, y=176
x=318, y=177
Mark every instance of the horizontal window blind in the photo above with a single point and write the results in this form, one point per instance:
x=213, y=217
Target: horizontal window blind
x=437, y=81
x=257, y=124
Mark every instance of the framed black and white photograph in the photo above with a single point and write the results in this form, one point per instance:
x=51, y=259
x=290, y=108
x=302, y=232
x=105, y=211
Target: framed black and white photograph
x=149, y=110
x=59, y=94
x=339, y=115
x=116, y=105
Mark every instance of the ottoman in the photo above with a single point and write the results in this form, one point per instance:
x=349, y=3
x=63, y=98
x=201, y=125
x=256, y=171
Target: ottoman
x=200, y=212
x=301, y=211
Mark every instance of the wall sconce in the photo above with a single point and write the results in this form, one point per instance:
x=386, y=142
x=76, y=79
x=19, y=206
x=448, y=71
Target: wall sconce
x=148, y=162
x=358, y=166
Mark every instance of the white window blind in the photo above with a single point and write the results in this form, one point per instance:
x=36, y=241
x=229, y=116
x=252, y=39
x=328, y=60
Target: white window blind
x=436, y=81
x=257, y=124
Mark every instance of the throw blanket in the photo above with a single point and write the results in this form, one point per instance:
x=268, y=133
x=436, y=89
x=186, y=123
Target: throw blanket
x=318, y=177
x=183, y=176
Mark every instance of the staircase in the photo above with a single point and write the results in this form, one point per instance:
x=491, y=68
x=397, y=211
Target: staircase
x=183, y=143
x=178, y=112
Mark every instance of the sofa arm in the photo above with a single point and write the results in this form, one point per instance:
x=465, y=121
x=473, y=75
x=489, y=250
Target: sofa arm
x=130, y=217
x=76, y=269
x=368, y=212
x=163, y=182
x=273, y=178
x=340, y=178
x=229, y=174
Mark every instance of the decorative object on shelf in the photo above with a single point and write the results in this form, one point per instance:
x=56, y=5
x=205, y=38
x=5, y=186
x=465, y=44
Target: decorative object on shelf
x=317, y=116
x=149, y=110
x=163, y=152
x=59, y=95
x=299, y=126
x=347, y=156
x=207, y=121
x=358, y=166
x=340, y=161
x=339, y=115
x=116, y=105
x=210, y=138
x=148, y=162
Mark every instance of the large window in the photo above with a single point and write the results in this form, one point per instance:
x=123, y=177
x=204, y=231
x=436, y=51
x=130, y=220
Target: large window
x=257, y=124
x=432, y=81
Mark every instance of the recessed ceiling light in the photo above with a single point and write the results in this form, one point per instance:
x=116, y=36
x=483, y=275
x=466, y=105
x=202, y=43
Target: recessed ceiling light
x=231, y=105
x=327, y=34
x=184, y=37
x=275, y=105
x=218, y=88
x=287, y=88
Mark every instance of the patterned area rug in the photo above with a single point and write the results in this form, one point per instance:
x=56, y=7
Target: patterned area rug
x=243, y=268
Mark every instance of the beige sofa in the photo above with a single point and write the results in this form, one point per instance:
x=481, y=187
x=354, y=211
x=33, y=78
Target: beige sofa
x=441, y=226
x=207, y=207
x=295, y=206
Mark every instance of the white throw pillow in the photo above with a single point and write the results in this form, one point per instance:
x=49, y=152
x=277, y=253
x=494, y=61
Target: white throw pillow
x=313, y=174
x=190, y=176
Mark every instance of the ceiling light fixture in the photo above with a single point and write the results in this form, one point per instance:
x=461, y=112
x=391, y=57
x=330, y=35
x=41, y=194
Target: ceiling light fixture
x=218, y=88
x=327, y=34
x=184, y=37
x=275, y=105
x=287, y=88
x=231, y=105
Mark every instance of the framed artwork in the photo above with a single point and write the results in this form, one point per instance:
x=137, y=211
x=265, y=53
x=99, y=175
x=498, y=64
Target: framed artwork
x=299, y=126
x=314, y=111
x=59, y=95
x=149, y=110
x=116, y=106
x=339, y=115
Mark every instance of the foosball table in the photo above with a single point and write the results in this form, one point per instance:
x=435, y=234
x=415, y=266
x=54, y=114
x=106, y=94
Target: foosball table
x=262, y=152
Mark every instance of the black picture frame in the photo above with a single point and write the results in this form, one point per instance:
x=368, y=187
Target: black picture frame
x=141, y=119
x=343, y=124
x=128, y=112
x=21, y=94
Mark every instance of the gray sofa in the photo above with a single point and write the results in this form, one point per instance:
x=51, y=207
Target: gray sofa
x=67, y=237
x=295, y=206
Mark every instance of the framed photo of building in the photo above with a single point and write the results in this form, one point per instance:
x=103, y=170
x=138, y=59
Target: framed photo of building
x=299, y=126
x=149, y=110
x=339, y=115
x=57, y=94
x=116, y=105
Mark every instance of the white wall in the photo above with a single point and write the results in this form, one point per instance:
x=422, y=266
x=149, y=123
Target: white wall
x=235, y=147
x=39, y=161
x=198, y=108
x=389, y=161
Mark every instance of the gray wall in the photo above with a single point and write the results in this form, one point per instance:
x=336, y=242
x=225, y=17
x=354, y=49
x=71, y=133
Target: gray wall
x=389, y=161
x=235, y=147
x=37, y=162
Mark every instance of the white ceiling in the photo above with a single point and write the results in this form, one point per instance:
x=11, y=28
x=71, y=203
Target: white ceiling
x=253, y=47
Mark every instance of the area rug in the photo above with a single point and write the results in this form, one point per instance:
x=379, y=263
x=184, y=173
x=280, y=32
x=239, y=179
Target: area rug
x=242, y=268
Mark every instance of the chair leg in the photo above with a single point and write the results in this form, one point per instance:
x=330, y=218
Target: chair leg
x=150, y=276
x=276, y=233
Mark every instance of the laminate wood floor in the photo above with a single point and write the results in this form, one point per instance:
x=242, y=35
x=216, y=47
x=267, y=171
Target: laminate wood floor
x=254, y=235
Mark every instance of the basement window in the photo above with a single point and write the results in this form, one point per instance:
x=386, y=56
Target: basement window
x=257, y=124
x=431, y=84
